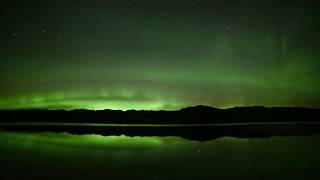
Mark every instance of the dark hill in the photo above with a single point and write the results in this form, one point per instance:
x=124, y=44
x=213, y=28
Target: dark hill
x=190, y=115
x=196, y=123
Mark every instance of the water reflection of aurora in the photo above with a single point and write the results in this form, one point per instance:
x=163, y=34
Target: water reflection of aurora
x=49, y=155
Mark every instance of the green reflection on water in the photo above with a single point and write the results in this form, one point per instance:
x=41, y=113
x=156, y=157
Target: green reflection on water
x=50, y=155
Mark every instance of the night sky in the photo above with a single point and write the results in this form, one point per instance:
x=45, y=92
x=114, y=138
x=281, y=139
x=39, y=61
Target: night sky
x=159, y=54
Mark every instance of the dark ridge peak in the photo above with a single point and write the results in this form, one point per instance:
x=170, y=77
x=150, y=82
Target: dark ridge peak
x=199, y=107
x=190, y=115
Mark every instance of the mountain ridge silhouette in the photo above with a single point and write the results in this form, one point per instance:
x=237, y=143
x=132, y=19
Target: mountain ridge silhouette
x=199, y=114
x=195, y=123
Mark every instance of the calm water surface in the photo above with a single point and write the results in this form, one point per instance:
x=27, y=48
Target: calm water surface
x=62, y=155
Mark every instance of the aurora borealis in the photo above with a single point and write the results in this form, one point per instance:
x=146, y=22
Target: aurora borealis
x=159, y=54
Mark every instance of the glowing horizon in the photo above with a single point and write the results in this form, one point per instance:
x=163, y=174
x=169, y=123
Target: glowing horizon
x=159, y=56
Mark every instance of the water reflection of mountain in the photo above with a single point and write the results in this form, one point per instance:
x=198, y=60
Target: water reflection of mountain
x=196, y=123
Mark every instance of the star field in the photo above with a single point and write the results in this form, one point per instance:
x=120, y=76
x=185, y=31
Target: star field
x=161, y=54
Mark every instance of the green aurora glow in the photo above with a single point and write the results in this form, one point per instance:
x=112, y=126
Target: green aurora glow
x=159, y=55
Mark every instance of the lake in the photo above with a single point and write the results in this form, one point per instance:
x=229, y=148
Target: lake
x=50, y=155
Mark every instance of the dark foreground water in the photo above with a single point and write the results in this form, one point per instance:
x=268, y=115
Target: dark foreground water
x=62, y=155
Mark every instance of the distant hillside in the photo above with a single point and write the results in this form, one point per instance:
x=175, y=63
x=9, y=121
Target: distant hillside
x=189, y=115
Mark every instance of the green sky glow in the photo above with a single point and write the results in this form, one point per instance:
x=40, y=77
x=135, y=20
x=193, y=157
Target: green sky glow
x=159, y=55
